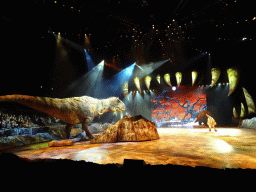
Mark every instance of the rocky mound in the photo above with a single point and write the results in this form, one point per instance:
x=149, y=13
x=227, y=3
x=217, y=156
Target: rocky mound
x=249, y=123
x=128, y=129
x=55, y=133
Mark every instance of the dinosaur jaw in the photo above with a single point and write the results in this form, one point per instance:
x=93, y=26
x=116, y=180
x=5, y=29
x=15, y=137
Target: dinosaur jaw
x=118, y=109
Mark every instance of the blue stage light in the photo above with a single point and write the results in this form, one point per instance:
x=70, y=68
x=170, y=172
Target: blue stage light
x=90, y=63
x=125, y=74
x=129, y=70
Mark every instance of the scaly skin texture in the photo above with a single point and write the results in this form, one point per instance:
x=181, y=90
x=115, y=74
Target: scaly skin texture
x=72, y=110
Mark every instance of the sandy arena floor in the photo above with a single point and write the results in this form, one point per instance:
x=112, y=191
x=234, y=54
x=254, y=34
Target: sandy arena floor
x=226, y=148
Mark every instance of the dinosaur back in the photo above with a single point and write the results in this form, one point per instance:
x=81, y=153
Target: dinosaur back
x=59, y=108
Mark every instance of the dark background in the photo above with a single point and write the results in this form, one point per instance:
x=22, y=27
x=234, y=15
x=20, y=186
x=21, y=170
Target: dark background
x=30, y=58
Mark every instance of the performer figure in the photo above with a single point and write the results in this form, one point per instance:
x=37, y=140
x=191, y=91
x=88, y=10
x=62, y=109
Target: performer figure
x=211, y=123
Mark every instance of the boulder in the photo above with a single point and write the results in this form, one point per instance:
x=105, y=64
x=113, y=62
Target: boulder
x=44, y=136
x=95, y=128
x=18, y=140
x=249, y=123
x=59, y=131
x=128, y=129
x=67, y=142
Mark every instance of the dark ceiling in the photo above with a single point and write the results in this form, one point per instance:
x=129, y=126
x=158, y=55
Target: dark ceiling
x=122, y=32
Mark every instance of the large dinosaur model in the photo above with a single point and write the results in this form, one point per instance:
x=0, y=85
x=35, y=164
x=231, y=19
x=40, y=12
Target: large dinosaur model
x=72, y=110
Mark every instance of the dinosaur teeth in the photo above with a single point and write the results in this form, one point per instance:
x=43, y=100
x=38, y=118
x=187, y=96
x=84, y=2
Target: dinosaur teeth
x=233, y=77
x=215, y=76
x=194, y=76
x=178, y=77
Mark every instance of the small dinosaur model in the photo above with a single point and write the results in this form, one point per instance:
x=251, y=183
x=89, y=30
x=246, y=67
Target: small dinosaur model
x=72, y=110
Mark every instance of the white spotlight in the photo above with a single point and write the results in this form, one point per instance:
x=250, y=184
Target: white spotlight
x=173, y=88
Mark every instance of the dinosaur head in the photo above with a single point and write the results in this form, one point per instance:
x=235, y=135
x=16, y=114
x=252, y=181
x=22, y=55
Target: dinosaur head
x=115, y=104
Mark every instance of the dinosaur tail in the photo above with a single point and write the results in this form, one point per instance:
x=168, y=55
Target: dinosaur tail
x=47, y=105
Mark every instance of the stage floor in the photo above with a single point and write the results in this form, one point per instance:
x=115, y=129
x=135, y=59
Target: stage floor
x=226, y=148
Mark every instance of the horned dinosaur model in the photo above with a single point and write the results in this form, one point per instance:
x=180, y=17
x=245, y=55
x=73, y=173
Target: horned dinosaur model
x=72, y=110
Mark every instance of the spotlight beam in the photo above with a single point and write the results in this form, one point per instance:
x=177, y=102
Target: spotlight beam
x=121, y=78
x=149, y=68
x=90, y=63
x=87, y=82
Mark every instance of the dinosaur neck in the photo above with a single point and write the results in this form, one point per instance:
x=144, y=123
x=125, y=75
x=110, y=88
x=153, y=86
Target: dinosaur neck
x=103, y=107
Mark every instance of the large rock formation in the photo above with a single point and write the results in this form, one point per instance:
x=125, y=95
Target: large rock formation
x=249, y=123
x=128, y=129
x=71, y=110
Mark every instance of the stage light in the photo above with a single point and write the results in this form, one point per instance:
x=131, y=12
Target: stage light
x=167, y=78
x=90, y=63
x=173, y=88
x=129, y=70
x=150, y=67
x=178, y=78
x=215, y=76
x=58, y=40
x=222, y=146
x=137, y=83
x=194, y=77
x=147, y=81
x=139, y=67
x=158, y=78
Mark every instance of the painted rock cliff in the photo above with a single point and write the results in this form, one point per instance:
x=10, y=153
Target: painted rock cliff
x=128, y=129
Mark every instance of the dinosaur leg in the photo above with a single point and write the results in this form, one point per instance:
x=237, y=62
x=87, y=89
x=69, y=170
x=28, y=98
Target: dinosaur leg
x=88, y=133
x=68, y=130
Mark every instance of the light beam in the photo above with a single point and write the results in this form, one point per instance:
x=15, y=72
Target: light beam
x=90, y=63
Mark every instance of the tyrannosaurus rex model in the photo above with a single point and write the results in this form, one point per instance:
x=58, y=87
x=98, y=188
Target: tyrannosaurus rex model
x=72, y=110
